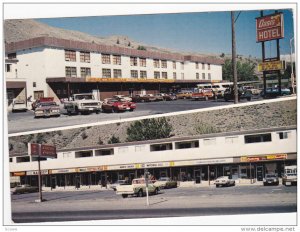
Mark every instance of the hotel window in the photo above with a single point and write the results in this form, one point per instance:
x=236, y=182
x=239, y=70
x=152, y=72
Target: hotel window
x=161, y=147
x=105, y=59
x=143, y=74
x=203, y=76
x=85, y=72
x=104, y=152
x=187, y=144
x=156, y=63
x=85, y=57
x=123, y=149
x=258, y=138
x=208, y=66
x=174, y=64
x=117, y=73
x=140, y=148
x=71, y=72
x=182, y=76
x=203, y=66
x=164, y=75
x=106, y=73
x=209, y=141
x=197, y=65
x=8, y=67
x=197, y=76
x=23, y=159
x=283, y=135
x=10, y=160
x=156, y=75
x=209, y=76
x=133, y=61
x=134, y=73
x=174, y=75
x=70, y=55
x=12, y=55
x=143, y=62
x=34, y=84
x=116, y=60
x=164, y=64
x=182, y=65
x=233, y=139
x=83, y=154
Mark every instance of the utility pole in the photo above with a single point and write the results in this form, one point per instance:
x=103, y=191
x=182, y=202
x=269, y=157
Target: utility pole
x=292, y=67
x=236, y=100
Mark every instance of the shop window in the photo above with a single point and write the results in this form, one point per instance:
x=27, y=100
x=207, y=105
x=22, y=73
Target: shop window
x=70, y=55
x=12, y=55
x=105, y=59
x=123, y=149
x=143, y=74
x=156, y=63
x=209, y=141
x=8, y=67
x=161, y=147
x=116, y=60
x=233, y=139
x=106, y=73
x=143, y=62
x=117, y=73
x=23, y=159
x=133, y=61
x=85, y=57
x=134, y=74
x=164, y=75
x=174, y=64
x=197, y=65
x=187, y=144
x=85, y=72
x=71, y=72
x=283, y=135
x=258, y=138
x=174, y=75
x=140, y=148
x=58, y=91
x=156, y=75
x=164, y=64
x=104, y=152
x=197, y=76
x=83, y=154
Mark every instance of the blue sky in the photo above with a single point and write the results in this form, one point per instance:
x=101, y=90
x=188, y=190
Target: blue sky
x=190, y=32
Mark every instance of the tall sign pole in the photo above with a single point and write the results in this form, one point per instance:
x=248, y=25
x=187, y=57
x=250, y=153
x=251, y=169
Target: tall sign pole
x=39, y=174
x=263, y=58
x=236, y=100
x=278, y=58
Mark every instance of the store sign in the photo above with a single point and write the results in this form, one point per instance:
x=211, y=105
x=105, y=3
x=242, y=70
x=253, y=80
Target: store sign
x=269, y=27
x=121, y=80
x=89, y=169
x=204, y=161
x=35, y=173
x=271, y=66
x=263, y=158
x=19, y=173
x=58, y=171
x=47, y=151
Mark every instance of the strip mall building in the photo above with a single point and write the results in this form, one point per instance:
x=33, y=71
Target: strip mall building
x=241, y=155
x=52, y=67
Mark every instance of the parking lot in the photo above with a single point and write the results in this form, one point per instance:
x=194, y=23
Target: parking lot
x=25, y=121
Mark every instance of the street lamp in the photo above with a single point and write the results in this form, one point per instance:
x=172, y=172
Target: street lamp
x=292, y=68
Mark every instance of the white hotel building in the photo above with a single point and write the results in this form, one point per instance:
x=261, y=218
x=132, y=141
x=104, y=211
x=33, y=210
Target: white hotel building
x=52, y=67
x=244, y=156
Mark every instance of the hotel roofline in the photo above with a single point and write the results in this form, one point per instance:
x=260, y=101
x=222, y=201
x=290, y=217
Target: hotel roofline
x=101, y=48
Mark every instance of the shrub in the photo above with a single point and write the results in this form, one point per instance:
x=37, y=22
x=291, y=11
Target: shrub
x=84, y=135
x=204, y=128
x=148, y=129
x=113, y=139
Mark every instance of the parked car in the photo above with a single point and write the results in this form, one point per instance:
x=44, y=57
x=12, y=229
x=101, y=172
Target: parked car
x=119, y=97
x=184, y=95
x=165, y=182
x=137, y=188
x=159, y=97
x=40, y=100
x=224, y=181
x=46, y=109
x=19, y=105
x=204, y=94
x=143, y=98
x=290, y=175
x=274, y=92
x=118, y=183
x=243, y=93
x=271, y=179
x=114, y=105
x=253, y=90
x=24, y=189
x=170, y=97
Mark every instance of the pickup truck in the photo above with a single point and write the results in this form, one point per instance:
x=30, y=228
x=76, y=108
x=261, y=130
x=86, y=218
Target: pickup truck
x=83, y=103
x=137, y=188
x=204, y=94
x=290, y=175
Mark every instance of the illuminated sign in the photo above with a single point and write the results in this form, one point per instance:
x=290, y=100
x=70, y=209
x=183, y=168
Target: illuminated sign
x=18, y=173
x=48, y=151
x=263, y=158
x=269, y=27
x=120, y=80
x=271, y=66
x=35, y=173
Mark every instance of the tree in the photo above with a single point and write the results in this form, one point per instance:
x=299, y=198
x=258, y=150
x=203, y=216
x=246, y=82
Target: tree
x=148, y=129
x=118, y=41
x=113, y=140
x=245, y=70
x=141, y=48
x=129, y=44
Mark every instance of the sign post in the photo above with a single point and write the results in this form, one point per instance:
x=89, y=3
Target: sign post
x=146, y=173
x=39, y=151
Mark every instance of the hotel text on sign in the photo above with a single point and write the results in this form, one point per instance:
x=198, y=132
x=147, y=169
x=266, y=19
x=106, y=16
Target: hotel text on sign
x=269, y=27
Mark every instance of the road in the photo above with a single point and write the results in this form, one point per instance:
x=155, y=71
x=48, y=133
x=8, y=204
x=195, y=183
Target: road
x=25, y=121
x=106, y=205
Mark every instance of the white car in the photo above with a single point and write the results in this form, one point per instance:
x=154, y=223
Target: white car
x=224, y=181
x=122, y=97
x=19, y=105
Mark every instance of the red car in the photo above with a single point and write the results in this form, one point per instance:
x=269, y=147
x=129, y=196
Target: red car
x=115, y=105
x=41, y=100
